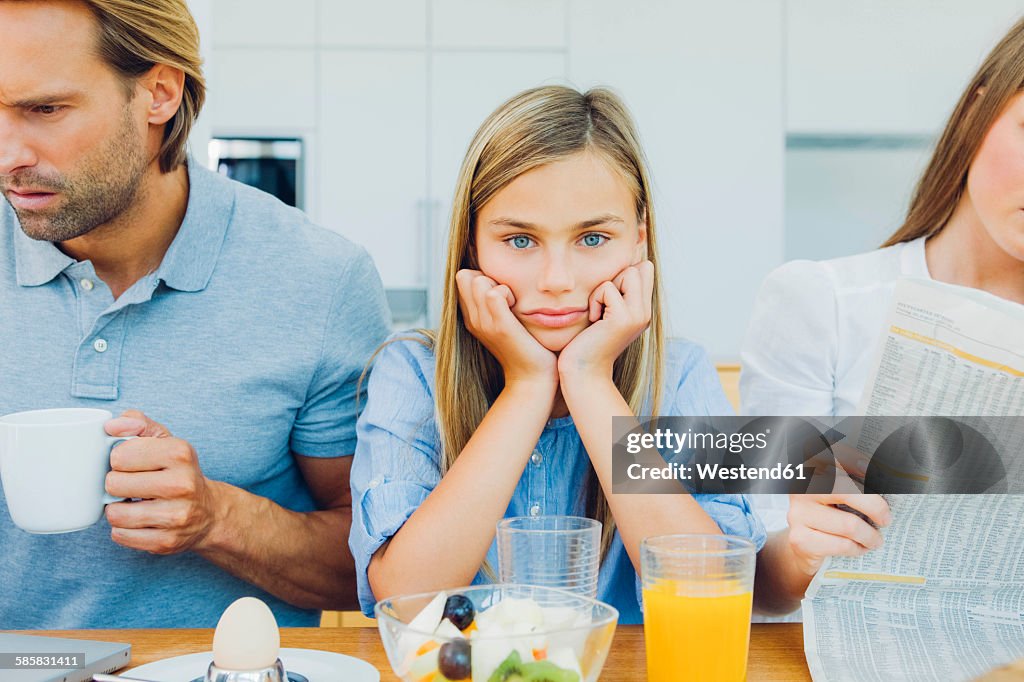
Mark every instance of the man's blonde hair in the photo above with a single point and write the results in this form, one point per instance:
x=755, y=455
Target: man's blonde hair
x=134, y=36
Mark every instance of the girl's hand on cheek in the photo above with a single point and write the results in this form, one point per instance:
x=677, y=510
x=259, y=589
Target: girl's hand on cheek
x=487, y=313
x=620, y=311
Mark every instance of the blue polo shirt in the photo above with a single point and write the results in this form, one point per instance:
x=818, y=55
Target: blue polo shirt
x=248, y=341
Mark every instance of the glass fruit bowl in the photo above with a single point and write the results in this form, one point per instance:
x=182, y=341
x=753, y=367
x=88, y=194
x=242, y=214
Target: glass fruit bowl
x=496, y=633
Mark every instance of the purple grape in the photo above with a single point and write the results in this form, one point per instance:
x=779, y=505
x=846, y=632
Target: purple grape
x=453, y=660
x=459, y=610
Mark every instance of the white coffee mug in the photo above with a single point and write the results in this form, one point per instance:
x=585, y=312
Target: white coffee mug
x=53, y=465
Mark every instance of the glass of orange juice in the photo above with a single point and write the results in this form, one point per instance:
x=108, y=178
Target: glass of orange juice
x=698, y=591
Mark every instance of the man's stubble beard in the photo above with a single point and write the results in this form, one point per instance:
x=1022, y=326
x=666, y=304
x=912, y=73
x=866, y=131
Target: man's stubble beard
x=102, y=189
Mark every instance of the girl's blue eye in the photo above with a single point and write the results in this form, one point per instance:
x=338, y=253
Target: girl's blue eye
x=520, y=242
x=594, y=239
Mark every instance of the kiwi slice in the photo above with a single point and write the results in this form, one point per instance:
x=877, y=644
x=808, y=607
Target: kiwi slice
x=510, y=670
x=546, y=671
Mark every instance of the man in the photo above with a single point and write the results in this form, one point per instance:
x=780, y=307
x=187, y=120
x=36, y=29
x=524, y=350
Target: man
x=229, y=332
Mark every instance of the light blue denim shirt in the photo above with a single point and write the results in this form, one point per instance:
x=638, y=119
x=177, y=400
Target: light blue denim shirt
x=397, y=455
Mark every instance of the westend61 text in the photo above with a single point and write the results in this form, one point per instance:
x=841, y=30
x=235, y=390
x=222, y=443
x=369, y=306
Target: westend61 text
x=717, y=472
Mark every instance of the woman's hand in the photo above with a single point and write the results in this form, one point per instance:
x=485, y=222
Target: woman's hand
x=620, y=311
x=487, y=313
x=818, y=530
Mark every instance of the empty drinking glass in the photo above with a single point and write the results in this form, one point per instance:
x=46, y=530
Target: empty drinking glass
x=550, y=551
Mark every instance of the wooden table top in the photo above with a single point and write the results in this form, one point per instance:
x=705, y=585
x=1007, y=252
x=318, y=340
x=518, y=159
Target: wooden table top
x=776, y=649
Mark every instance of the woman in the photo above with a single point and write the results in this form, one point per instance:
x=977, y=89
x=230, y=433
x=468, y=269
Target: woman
x=550, y=325
x=808, y=347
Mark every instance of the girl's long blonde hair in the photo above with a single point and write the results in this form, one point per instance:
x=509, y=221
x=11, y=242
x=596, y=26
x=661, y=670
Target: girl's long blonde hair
x=534, y=128
x=942, y=185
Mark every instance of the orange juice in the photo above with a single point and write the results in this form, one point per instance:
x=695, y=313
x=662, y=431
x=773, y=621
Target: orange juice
x=696, y=637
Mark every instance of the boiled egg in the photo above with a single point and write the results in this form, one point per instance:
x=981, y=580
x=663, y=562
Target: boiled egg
x=247, y=637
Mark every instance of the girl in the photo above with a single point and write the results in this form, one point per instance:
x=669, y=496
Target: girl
x=551, y=324
x=808, y=346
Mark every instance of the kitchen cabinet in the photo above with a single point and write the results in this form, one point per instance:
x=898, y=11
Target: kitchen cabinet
x=373, y=157
x=262, y=89
x=847, y=199
x=376, y=24
x=877, y=66
x=241, y=23
x=515, y=24
x=465, y=88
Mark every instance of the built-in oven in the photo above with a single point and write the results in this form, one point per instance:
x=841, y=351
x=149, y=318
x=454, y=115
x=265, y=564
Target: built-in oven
x=274, y=165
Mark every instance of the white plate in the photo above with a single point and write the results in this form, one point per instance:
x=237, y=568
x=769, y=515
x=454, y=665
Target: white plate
x=318, y=666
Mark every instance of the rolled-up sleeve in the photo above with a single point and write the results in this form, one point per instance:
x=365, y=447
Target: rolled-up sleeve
x=734, y=516
x=396, y=463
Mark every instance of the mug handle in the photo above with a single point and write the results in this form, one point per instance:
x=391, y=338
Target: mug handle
x=111, y=442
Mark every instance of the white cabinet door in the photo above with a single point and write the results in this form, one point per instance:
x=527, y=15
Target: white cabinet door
x=263, y=90
x=878, y=66
x=498, y=24
x=704, y=83
x=465, y=88
x=373, y=164
x=270, y=23
x=379, y=23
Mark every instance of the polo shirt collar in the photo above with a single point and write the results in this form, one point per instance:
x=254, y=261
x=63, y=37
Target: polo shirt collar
x=36, y=262
x=190, y=260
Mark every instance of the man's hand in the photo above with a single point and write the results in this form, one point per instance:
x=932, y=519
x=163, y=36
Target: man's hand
x=176, y=508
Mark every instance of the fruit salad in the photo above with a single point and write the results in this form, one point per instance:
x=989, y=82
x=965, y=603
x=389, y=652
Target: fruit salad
x=514, y=640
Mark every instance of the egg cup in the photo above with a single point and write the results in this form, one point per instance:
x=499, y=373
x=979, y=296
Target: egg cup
x=274, y=673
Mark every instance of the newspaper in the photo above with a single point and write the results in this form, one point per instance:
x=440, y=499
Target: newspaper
x=948, y=350
x=943, y=599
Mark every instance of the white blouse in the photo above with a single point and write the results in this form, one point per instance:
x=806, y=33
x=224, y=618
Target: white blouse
x=815, y=327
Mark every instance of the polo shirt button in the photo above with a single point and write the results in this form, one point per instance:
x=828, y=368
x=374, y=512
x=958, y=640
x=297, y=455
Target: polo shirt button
x=374, y=483
x=99, y=345
x=86, y=284
x=536, y=458
x=535, y=510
